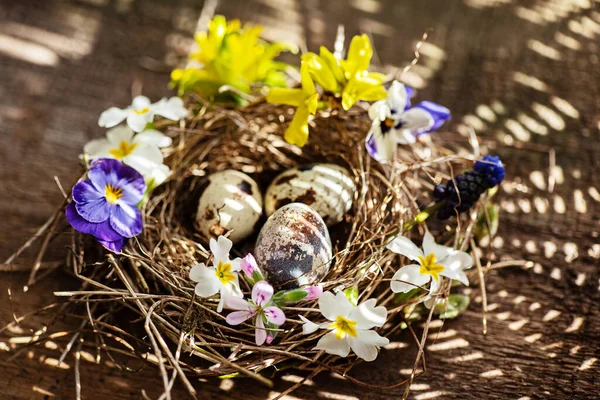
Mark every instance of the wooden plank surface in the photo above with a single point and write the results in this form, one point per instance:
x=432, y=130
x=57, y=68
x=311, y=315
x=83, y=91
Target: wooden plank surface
x=522, y=73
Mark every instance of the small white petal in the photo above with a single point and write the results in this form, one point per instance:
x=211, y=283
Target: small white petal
x=138, y=122
x=367, y=315
x=153, y=137
x=430, y=246
x=397, y=97
x=208, y=284
x=112, y=117
x=404, y=136
x=221, y=248
x=172, y=109
x=236, y=264
x=309, y=326
x=417, y=120
x=404, y=246
x=379, y=111
x=367, y=352
x=455, y=264
x=408, y=278
x=332, y=345
x=157, y=175
x=140, y=102
x=119, y=134
x=97, y=148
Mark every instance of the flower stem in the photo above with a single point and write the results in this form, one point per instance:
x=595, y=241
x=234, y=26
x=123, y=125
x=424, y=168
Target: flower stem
x=422, y=216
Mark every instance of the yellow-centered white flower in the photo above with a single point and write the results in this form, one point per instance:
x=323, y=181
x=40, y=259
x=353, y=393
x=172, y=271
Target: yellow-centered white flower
x=141, y=112
x=221, y=277
x=433, y=260
x=140, y=151
x=349, y=326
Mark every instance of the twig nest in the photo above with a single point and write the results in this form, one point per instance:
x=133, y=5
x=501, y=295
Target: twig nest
x=293, y=247
x=327, y=188
x=232, y=202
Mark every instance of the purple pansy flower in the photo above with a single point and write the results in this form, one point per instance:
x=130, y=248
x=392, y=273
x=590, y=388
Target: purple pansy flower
x=105, y=204
x=261, y=308
x=396, y=122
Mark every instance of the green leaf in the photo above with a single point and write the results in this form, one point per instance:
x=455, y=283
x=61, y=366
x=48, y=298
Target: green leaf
x=352, y=295
x=456, y=305
x=481, y=228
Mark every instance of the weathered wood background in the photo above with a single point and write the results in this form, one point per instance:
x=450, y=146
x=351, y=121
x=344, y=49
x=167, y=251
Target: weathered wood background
x=524, y=74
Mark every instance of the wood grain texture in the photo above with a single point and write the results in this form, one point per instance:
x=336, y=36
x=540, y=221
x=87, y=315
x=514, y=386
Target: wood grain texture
x=524, y=73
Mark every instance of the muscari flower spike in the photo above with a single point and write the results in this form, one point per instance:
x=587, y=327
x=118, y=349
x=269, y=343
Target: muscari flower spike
x=105, y=204
x=463, y=191
x=395, y=121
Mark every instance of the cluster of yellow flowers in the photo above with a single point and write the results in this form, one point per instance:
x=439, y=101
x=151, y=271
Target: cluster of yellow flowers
x=233, y=60
x=343, y=82
x=229, y=55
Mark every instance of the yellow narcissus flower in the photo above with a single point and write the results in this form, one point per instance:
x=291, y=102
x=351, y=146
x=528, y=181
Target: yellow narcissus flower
x=305, y=100
x=233, y=56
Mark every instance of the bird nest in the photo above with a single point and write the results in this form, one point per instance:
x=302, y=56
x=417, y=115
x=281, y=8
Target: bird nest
x=148, y=282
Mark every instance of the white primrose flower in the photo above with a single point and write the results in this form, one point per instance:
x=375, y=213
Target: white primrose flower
x=433, y=261
x=395, y=121
x=350, y=326
x=141, y=112
x=140, y=151
x=221, y=277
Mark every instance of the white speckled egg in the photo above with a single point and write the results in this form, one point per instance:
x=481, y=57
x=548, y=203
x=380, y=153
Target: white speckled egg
x=327, y=188
x=293, y=247
x=232, y=202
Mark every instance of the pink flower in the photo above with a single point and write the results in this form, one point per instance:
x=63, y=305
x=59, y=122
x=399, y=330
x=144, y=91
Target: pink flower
x=314, y=292
x=249, y=265
x=259, y=308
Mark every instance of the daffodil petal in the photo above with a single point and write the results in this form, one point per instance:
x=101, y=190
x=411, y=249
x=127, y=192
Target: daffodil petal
x=297, y=132
x=292, y=97
x=333, y=64
x=359, y=56
x=308, y=86
x=320, y=72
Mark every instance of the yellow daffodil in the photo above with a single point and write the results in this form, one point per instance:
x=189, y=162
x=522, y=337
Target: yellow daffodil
x=233, y=56
x=305, y=100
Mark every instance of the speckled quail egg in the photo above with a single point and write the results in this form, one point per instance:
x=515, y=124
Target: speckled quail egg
x=327, y=188
x=232, y=202
x=293, y=247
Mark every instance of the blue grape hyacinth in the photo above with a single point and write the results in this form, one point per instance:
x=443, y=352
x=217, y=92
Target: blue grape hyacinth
x=463, y=191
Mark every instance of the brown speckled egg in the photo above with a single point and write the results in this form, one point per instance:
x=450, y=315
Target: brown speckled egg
x=327, y=188
x=232, y=202
x=293, y=247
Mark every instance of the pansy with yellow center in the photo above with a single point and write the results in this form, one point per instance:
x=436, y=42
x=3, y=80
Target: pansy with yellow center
x=140, y=151
x=350, y=326
x=434, y=260
x=141, y=112
x=221, y=277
